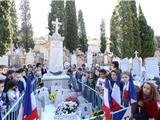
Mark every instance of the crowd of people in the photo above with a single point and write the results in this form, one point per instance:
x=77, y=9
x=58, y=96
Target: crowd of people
x=147, y=94
x=13, y=84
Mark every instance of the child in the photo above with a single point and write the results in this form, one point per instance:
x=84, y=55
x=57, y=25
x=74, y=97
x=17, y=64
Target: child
x=147, y=102
x=13, y=92
x=19, y=78
x=101, y=82
x=3, y=97
x=125, y=95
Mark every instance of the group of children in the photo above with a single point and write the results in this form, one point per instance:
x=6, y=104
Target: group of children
x=13, y=84
x=147, y=95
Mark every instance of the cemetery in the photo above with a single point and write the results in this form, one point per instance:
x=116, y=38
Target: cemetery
x=65, y=68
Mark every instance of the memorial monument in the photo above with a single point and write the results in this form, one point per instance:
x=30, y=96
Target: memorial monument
x=56, y=74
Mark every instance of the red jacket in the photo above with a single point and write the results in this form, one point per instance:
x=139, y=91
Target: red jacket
x=150, y=107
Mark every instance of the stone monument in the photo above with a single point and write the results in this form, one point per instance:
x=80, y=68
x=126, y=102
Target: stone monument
x=136, y=67
x=73, y=59
x=56, y=74
x=89, y=60
x=30, y=57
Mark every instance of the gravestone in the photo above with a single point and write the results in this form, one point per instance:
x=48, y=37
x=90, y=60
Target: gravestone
x=56, y=73
x=73, y=59
x=4, y=60
x=152, y=67
x=89, y=60
x=30, y=57
x=56, y=50
x=136, y=67
x=125, y=65
x=105, y=59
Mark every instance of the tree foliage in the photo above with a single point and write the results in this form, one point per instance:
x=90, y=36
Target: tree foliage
x=82, y=32
x=147, y=36
x=57, y=11
x=26, y=32
x=14, y=18
x=71, y=41
x=5, y=26
x=130, y=32
x=102, y=36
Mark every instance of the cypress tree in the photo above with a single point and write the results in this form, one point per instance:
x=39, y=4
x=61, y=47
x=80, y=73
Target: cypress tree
x=71, y=41
x=115, y=33
x=82, y=32
x=147, y=37
x=5, y=26
x=135, y=27
x=14, y=18
x=26, y=32
x=102, y=37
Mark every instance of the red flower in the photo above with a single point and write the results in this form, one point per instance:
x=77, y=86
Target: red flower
x=73, y=99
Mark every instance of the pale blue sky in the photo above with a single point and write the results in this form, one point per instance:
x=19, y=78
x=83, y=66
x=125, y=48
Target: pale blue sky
x=94, y=11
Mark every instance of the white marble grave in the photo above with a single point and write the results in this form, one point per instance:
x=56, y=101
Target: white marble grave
x=89, y=60
x=56, y=74
x=73, y=59
x=30, y=57
x=137, y=67
x=4, y=60
x=152, y=67
x=125, y=65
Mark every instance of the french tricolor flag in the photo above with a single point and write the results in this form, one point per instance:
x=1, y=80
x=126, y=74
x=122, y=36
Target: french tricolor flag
x=130, y=92
x=28, y=109
x=106, y=107
x=116, y=95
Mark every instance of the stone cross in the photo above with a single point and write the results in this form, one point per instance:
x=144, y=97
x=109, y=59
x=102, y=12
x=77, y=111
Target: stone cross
x=56, y=24
x=136, y=54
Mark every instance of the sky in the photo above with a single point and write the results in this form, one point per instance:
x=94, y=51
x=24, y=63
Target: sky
x=93, y=12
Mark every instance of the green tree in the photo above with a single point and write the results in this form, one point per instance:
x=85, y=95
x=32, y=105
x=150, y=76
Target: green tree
x=71, y=41
x=135, y=27
x=115, y=33
x=82, y=32
x=26, y=32
x=5, y=26
x=14, y=18
x=57, y=11
x=147, y=37
x=125, y=19
x=102, y=36
x=124, y=30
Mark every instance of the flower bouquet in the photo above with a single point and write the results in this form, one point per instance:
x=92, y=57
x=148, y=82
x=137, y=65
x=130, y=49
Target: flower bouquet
x=66, y=111
x=73, y=99
x=52, y=96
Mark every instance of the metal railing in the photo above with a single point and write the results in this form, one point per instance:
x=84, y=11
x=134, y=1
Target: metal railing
x=91, y=96
x=11, y=113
